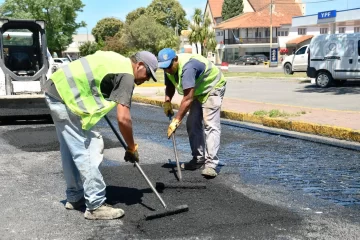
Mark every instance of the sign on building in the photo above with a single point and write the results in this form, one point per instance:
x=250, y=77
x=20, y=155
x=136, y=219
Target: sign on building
x=273, y=57
x=327, y=14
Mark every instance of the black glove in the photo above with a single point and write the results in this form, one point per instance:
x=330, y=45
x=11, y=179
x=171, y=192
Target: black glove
x=132, y=155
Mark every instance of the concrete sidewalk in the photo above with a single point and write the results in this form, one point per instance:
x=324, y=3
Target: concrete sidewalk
x=324, y=122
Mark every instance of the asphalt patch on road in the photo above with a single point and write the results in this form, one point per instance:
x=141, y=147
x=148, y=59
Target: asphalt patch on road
x=218, y=211
x=41, y=139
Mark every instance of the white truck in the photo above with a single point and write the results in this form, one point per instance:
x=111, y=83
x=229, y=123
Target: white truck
x=297, y=62
x=24, y=66
x=334, y=58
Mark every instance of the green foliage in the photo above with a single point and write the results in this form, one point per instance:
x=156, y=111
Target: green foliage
x=107, y=27
x=134, y=15
x=202, y=33
x=146, y=34
x=60, y=17
x=88, y=48
x=231, y=8
x=168, y=13
x=114, y=44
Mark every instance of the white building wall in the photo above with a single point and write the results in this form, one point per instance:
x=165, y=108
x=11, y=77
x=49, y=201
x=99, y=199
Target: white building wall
x=247, y=7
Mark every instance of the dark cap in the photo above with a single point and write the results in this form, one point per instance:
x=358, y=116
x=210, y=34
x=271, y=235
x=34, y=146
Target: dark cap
x=149, y=60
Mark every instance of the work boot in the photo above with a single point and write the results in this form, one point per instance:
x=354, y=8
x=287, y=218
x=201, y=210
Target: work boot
x=75, y=205
x=104, y=212
x=209, y=172
x=192, y=165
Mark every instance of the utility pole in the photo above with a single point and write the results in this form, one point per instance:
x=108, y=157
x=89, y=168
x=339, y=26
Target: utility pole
x=271, y=7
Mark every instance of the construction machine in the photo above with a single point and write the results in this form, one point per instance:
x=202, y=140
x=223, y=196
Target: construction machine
x=25, y=64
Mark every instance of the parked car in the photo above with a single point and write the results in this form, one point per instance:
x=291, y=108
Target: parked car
x=246, y=59
x=333, y=59
x=61, y=61
x=261, y=58
x=296, y=62
x=58, y=62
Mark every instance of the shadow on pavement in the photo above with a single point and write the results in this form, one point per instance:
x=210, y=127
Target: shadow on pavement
x=352, y=87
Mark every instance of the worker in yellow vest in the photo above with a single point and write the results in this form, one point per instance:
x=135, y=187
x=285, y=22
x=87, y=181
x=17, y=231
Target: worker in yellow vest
x=203, y=86
x=79, y=95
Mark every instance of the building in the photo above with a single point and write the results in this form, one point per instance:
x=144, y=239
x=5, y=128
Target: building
x=249, y=33
x=78, y=40
x=213, y=10
x=303, y=28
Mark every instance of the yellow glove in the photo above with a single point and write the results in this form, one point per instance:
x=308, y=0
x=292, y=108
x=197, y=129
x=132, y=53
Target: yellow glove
x=173, y=126
x=168, y=110
x=132, y=155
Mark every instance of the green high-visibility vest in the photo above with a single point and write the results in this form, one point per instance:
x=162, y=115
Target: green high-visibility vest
x=78, y=84
x=211, y=78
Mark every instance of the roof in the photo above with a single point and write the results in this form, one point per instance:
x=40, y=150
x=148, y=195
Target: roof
x=216, y=7
x=300, y=39
x=282, y=14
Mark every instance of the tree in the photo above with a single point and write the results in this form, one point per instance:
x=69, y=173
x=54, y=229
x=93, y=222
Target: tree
x=202, y=33
x=231, y=8
x=107, y=27
x=60, y=17
x=168, y=13
x=146, y=34
x=114, y=44
x=88, y=48
x=134, y=15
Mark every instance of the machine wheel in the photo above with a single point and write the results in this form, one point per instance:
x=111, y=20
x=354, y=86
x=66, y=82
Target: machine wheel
x=244, y=63
x=323, y=79
x=288, y=69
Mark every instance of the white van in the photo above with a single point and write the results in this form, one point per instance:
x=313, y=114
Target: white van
x=334, y=58
x=297, y=62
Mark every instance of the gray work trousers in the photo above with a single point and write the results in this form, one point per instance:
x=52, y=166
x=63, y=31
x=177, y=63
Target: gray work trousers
x=204, y=129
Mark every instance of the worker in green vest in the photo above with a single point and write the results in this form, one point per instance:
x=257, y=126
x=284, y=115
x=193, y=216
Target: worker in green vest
x=203, y=86
x=79, y=94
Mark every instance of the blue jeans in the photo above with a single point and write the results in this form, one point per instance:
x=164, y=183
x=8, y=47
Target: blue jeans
x=81, y=154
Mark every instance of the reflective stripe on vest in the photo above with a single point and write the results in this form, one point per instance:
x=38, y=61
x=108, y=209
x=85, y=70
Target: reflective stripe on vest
x=211, y=78
x=78, y=84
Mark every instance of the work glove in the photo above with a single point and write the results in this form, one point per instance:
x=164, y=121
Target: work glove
x=173, y=126
x=168, y=110
x=132, y=155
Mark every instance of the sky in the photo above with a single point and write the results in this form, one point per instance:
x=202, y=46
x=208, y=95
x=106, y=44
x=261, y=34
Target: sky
x=96, y=10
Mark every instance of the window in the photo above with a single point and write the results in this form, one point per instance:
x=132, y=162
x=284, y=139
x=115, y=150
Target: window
x=342, y=29
x=357, y=29
x=283, y=33
x=301, y=31
x=267, y=32
x=301, y=51
x=323, y=30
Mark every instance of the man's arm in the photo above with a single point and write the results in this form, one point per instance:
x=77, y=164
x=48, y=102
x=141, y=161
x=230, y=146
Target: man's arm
x=125, y=125
x=185, y=103
x=169, y=89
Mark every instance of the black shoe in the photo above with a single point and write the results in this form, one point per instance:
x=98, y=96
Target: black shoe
x=192, y=165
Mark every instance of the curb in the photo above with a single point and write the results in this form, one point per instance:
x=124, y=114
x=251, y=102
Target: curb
x=341, y=133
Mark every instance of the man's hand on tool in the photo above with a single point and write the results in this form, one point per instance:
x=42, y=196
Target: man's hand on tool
x=168, y=110
x=173, y=126
x=132, y=155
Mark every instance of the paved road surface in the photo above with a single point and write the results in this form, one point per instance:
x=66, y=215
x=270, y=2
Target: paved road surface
x=271, y=187
x=286, y=91
x=255, y=68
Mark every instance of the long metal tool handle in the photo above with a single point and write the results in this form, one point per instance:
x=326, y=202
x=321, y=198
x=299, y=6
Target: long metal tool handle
x=136, y=164
x=176, y=155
